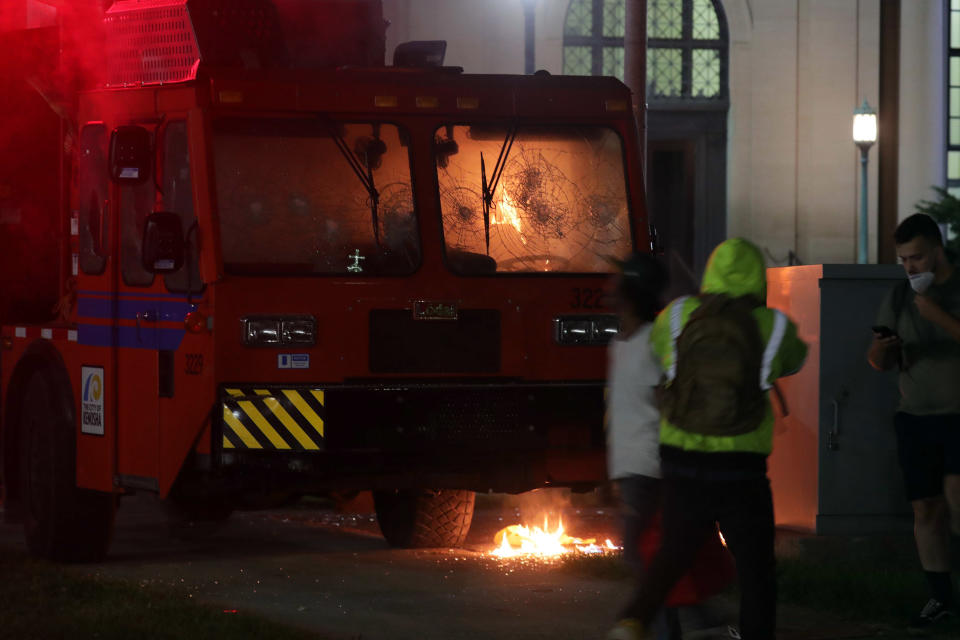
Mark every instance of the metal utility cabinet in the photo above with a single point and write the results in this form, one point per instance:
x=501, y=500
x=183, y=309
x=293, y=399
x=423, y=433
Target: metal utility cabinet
x=834, y=466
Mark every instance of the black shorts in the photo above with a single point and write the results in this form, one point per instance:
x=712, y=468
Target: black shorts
x=928, y=448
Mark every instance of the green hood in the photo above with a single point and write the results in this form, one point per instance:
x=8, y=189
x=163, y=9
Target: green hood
x=736, y=268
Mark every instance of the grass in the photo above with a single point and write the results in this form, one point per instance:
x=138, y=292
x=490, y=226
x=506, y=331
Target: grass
x=44, y=601
x=871, y=593
x=876, y=593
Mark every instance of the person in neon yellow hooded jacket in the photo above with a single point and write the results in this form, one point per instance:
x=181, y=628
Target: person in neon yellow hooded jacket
x=720, y=480
x=735, y=268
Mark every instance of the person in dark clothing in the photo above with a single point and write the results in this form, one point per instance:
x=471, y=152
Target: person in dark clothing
x=633, y=426
x=921, y=335
x=712, y=477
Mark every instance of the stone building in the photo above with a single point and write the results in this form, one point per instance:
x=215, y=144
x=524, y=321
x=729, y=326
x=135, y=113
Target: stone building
x=750, y=105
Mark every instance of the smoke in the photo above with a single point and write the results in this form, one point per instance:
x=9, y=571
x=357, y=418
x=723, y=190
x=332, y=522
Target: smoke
x=49, y=51
x=82, y=35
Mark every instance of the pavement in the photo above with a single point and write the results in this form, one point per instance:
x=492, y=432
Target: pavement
x=330, y=571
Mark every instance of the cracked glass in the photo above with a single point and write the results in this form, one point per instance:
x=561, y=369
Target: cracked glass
x=291, y=202
x=560, y=204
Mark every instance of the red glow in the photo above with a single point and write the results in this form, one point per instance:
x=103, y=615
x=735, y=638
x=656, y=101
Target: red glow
x=195, y=322
x=49, y=50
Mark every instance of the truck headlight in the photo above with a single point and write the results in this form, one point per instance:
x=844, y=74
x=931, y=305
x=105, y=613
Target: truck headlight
x=268, y=331
x=591, y=330
x=298, y=330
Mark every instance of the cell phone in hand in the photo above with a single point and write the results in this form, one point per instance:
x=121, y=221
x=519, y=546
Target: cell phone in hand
x=884, y=332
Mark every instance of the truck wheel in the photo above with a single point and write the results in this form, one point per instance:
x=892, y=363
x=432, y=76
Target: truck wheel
x=61, y=522
x=421, y=519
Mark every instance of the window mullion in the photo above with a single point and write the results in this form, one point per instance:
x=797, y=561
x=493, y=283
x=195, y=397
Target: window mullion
x=686, y=63
x=951, y=149
x=597, y=36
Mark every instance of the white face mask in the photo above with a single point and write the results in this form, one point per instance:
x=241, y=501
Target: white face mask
x=920, y=282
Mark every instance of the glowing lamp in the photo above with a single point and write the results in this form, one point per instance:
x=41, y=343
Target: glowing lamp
x=864, y=135
x=864, y=125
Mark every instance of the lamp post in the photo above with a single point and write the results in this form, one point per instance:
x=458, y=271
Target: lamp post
x=864, y=135
x=529, y=36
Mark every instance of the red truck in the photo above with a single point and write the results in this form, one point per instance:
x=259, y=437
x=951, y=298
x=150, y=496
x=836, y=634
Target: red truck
x=242, y=260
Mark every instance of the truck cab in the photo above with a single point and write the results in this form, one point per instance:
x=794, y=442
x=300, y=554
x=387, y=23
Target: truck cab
x=291, y=278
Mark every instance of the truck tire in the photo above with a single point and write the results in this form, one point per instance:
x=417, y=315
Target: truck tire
x=418, y=519
x=61, y=522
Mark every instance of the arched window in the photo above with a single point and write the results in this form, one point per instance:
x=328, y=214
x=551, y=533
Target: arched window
x=593, y=38
x=953, y=98
x=686, y=46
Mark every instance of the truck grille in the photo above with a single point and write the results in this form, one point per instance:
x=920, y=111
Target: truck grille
x=401, y=344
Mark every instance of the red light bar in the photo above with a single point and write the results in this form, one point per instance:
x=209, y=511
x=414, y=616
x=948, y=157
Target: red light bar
x=163, y=41
x=150, y=42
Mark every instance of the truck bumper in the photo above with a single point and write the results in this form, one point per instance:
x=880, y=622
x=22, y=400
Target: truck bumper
x=496, y=436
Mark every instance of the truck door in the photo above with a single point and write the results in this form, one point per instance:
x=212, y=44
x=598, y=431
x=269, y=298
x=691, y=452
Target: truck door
x=95, y=308
x=138, y=318
x=150, y=312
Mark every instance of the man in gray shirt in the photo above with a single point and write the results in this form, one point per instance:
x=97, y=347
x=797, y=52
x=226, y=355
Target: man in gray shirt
x=918, y=330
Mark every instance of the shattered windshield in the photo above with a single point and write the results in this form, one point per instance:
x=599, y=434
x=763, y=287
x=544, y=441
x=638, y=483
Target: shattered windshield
x=315, y=197
x=532, y=199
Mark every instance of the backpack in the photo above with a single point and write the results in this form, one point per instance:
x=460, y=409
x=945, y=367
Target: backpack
x=719, y=354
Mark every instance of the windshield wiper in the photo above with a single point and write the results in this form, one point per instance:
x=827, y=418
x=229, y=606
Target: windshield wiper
x=489, y=189
x=366, y=178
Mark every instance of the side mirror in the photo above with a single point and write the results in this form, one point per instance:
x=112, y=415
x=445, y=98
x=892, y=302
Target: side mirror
x=370, y=151
x=444, y=149
x=130, y=154
x=163, y=245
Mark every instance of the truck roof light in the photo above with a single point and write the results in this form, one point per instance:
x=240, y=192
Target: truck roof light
x=385, y=101
x=428, y=102
x=164, y=41
x=616, y=105
x=467, y=103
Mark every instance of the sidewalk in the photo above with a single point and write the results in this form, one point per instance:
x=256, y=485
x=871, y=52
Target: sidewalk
x=830, y=587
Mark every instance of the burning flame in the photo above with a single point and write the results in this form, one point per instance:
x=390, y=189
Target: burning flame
x=521, y=540
x=507, y=213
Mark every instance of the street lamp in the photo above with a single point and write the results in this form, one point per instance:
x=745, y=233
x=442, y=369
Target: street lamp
x=529, y=36
x=864, y=135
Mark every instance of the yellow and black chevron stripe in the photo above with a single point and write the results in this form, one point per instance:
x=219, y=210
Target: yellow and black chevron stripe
x=273, y=419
